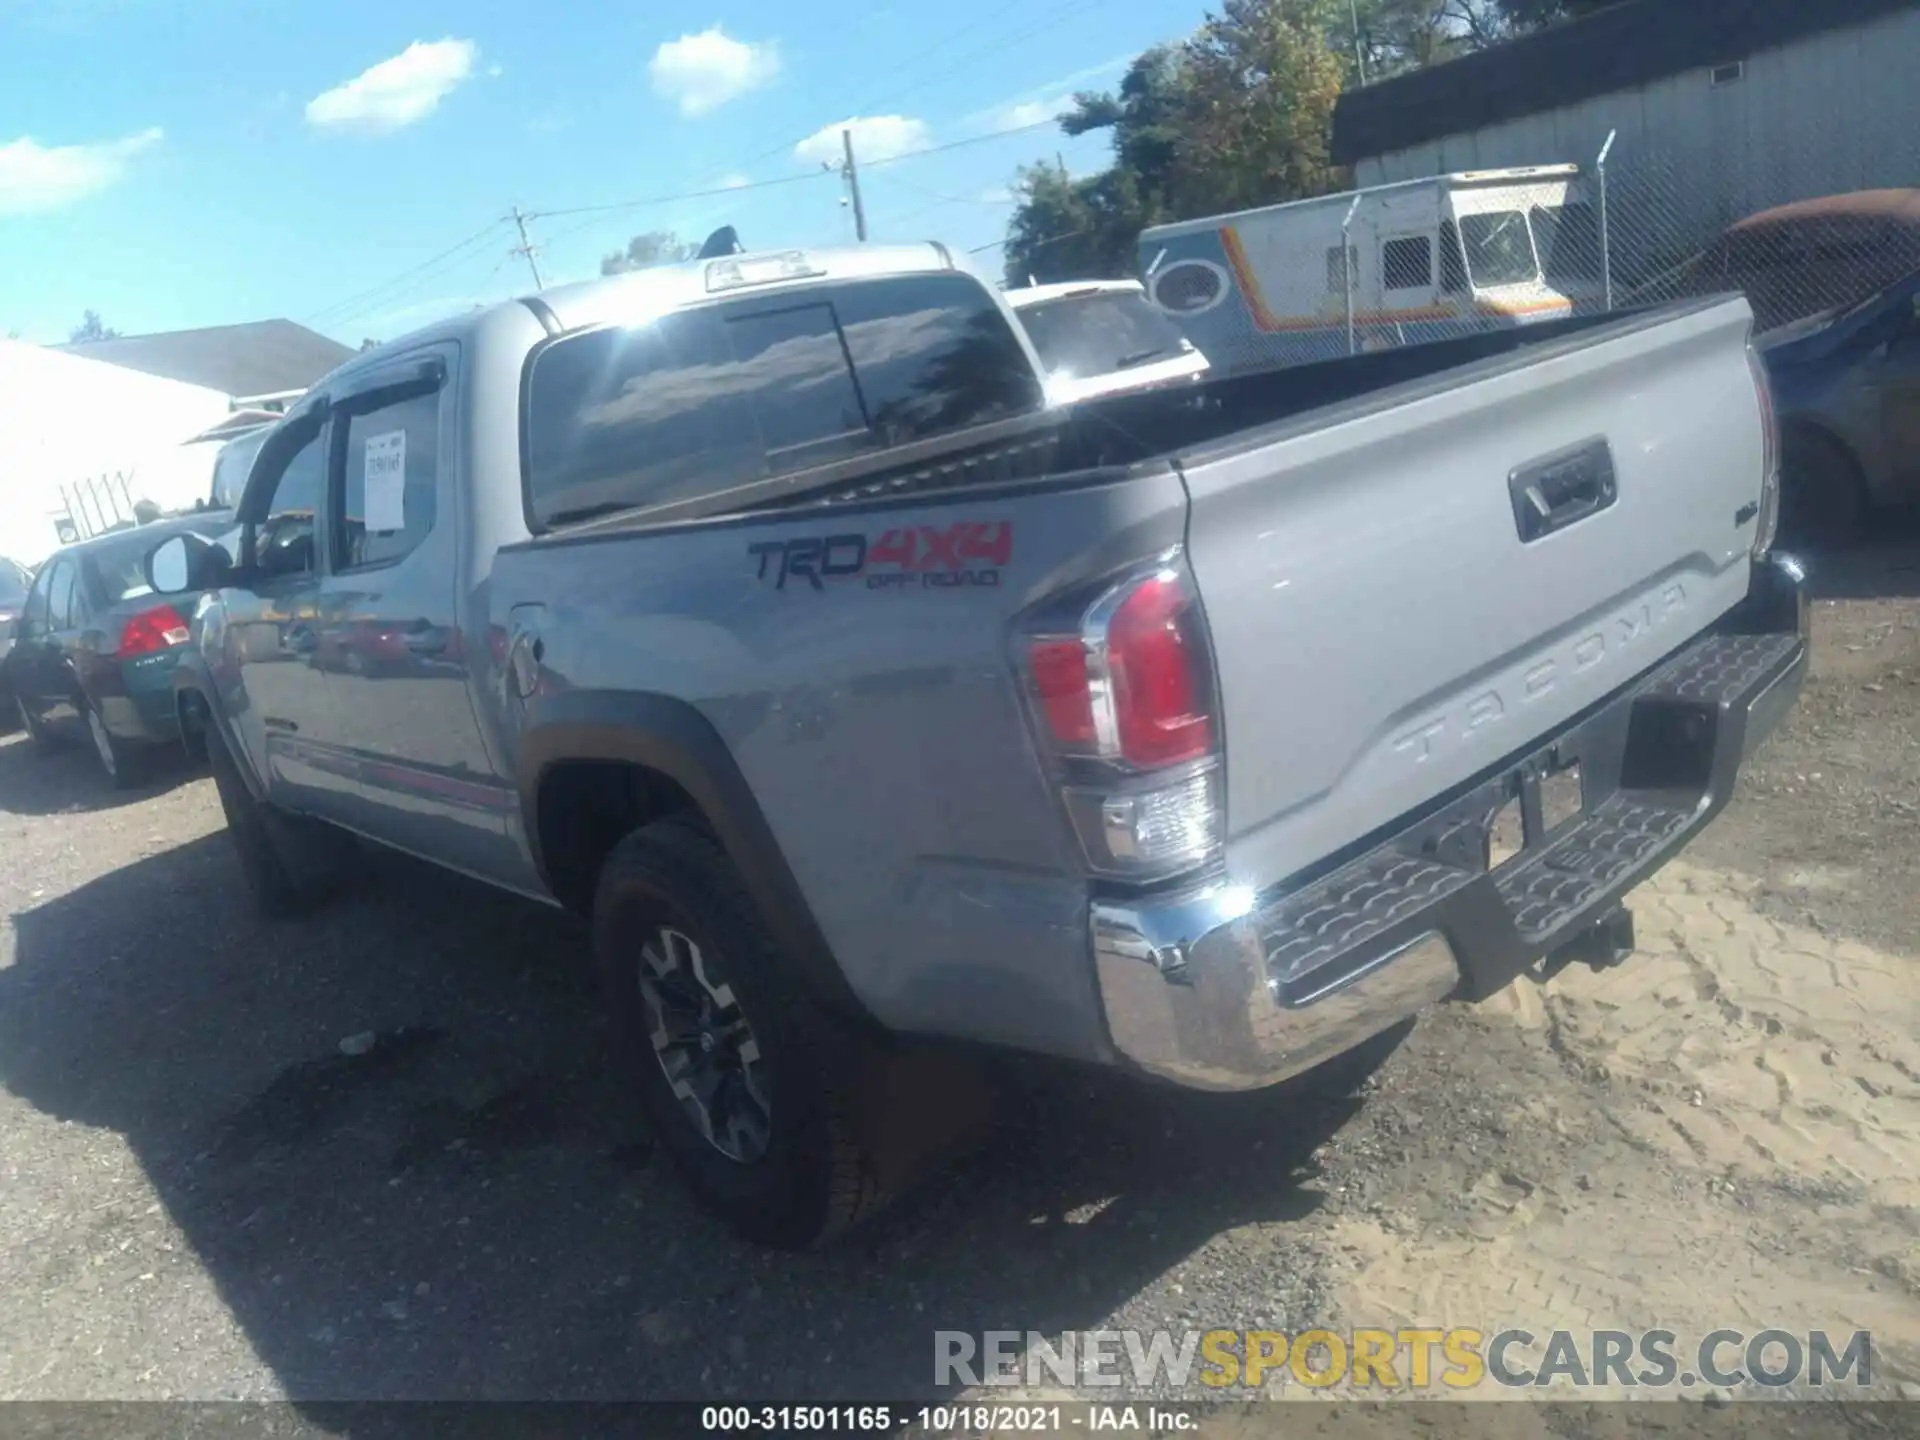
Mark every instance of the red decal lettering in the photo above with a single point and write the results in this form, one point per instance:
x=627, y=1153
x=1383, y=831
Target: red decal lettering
x=989, y=540
x=942, y=547
x=893, y=548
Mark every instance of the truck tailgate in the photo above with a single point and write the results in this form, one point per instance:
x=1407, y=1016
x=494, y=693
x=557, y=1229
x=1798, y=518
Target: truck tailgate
x=1406, y=590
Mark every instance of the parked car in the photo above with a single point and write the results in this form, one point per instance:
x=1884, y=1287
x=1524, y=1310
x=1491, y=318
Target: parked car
x=855, y=692
x=94, y=648
x=1846, y=384
x=1100, y=337
x=1805, y=258
x=14, y=583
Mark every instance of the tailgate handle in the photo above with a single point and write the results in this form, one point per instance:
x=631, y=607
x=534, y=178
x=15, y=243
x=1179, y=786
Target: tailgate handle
x=1562, y=489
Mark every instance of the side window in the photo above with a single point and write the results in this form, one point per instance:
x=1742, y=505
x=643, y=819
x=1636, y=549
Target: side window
x=60, y=597
x=391, y=486
x=36, y=617
x=1453, y=261
x=1337, y=271
x=934, y=354
x=1407, y=264
x=284, y=539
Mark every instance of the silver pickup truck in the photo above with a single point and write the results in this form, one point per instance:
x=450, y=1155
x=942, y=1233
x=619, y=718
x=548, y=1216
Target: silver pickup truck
x=761, y=610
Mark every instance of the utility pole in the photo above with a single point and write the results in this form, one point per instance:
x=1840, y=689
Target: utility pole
x=1359, y=54
x=851, y=171
x=527, y=248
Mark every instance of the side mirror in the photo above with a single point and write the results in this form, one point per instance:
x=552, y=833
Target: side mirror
x=181, y=563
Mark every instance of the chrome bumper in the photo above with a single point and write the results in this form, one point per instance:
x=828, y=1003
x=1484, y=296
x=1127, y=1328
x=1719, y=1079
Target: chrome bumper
x=1219, y=988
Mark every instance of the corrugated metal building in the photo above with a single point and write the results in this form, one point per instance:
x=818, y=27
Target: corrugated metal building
x=1721, y=108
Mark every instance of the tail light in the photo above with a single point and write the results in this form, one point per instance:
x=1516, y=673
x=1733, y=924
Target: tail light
x=1767, y=524
x=1120, y=688
x=160, y=628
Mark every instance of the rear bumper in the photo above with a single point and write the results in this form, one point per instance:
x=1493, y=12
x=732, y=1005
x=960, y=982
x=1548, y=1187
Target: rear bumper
x=144, y=711
x=1220, y=988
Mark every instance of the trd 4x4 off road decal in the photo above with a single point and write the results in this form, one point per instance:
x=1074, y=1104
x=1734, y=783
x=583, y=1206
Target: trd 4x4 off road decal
x=910, y=557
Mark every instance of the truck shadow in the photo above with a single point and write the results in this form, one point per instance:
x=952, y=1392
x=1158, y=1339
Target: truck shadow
x=62, y=779
x=459, y=1202
x=1885, y=566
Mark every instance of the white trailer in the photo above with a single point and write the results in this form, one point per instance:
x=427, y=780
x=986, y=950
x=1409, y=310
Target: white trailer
x=1390, y=265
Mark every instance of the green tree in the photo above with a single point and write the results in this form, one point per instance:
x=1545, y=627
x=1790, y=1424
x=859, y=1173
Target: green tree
x=656, y=247
x=1063, y=228
x=1238, y=114
x=1264, y=77
x=90, y=329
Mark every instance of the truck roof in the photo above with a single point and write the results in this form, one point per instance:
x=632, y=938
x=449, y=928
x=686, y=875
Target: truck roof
x=641, y=295
x=1458, y=179
x=663, y=288
x=1027, y=295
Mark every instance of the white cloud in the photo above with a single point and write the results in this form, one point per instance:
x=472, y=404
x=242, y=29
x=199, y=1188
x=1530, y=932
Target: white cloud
x=996, y=195
x=732, y=180
x=875, y=137
x=1049, y=101
x=396, y=92
x=1030, y=112
x=35, y=177
x=703, y=72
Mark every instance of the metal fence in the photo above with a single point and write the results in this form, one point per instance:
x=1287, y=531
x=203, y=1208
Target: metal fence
x=1676, y=231
x=1628, y=229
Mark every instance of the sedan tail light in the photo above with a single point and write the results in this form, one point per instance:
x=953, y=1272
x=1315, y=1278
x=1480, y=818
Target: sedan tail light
x=160, y=628
x=1119, y=682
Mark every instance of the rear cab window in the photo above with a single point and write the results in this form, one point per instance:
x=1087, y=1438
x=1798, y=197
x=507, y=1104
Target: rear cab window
x=1100, y=332
x=755, y=387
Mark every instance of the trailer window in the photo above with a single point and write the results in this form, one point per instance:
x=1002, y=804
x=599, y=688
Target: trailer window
x=1407, y=264
x=1499, y=249
x=1453, y=264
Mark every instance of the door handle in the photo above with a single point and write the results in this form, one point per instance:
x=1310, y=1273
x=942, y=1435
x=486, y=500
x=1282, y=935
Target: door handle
x=1562, y=489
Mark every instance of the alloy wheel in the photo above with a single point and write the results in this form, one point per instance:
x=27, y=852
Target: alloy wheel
x=704, y=1045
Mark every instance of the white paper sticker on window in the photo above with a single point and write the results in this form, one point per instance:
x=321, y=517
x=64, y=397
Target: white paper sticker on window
x=386, y=483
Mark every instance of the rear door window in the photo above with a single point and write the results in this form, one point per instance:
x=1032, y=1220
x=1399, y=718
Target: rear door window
x=707, y=400
x=35, y=618
x=1099, y=333
x=62, y=603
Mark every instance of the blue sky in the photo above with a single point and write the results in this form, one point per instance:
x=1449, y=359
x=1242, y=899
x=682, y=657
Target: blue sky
x=173, y=164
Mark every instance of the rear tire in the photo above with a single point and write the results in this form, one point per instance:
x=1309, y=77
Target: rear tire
x=695, y=981
x=291, y=863
x=1823, y=497
x=36, y=732
x=124, y=765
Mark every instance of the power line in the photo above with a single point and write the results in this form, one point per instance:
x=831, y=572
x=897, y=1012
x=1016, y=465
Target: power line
x=345, y=309
x=666, y=199
x=991, y=135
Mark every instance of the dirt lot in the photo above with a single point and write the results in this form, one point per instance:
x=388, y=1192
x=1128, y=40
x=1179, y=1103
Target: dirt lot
x=202, y=1196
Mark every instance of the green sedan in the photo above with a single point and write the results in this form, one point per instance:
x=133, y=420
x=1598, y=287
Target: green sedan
x=94, y=648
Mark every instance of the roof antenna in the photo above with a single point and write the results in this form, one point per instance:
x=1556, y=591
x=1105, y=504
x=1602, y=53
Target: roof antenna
x=723, y=241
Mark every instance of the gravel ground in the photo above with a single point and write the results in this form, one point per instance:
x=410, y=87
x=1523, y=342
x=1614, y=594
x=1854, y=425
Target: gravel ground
x=202, y=1196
